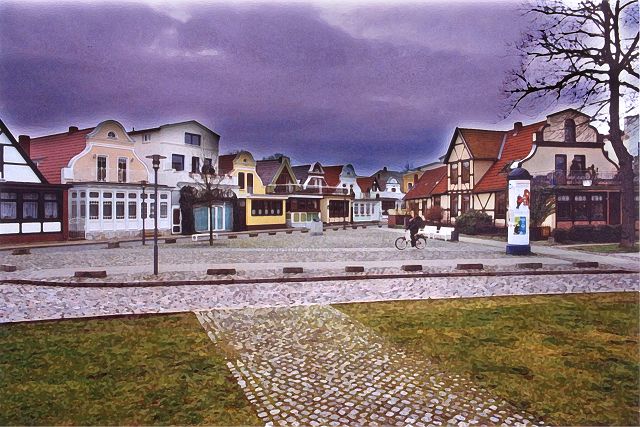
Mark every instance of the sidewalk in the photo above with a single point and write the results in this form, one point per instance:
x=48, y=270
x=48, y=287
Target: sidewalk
x=622, y=260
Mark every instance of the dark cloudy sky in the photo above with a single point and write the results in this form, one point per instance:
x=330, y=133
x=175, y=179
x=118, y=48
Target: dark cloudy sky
x=373, y=84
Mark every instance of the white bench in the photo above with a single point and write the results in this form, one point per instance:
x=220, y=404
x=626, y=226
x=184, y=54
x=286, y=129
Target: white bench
x=429, y=231
x=444, y=233
x=205, y=236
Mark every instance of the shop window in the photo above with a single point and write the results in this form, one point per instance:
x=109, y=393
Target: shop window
x=8, y=205
x=51, y=206
x=30, y=206
x=338, y=209
x=563, y=207
x=266, y=207
x=580, y=212
x=598, y=204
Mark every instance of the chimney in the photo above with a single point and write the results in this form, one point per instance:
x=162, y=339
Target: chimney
x=25, y=143
x=384, y=168
x=73, y=129
x=517, y=126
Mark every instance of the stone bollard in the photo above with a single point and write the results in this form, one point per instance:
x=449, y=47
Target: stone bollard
x=170, y=240
x=21, y=251
x=253, y=234
x=113, y=245
x=232, y=237
x=586, y=264
x=529, y=265
x=91, y=274
x=292, y=270
x=8, y=268
x=354, y=269
x=272, y=233
x=221, y=271
x=412, y=267
x=469, y=267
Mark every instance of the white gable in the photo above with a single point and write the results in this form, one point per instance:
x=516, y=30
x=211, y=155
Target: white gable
x=14, y=166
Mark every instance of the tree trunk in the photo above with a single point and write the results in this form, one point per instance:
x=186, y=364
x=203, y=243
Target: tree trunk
x=210, y=225
x=625, y=161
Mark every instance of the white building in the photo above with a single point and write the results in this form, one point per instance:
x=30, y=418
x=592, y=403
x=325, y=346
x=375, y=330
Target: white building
x=188, y=147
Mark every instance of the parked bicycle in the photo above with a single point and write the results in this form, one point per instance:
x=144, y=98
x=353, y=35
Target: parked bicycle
x=405, y=241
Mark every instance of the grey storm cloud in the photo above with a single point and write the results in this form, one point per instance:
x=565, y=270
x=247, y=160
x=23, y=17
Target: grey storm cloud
x=372, y=85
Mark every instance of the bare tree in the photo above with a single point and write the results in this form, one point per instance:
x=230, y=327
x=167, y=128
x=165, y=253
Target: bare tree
x=211, y=191
x=584, y=53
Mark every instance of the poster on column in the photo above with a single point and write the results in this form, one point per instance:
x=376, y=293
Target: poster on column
x=518, y=213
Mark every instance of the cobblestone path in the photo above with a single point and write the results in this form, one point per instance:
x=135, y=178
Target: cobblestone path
x=316, y=366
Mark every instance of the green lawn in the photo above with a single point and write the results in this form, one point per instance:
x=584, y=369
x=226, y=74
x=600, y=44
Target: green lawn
x=606, y=249
x=570, y=359
x=152, y=370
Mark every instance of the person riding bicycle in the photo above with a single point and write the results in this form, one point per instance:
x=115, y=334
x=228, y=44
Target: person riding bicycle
x=414, y=224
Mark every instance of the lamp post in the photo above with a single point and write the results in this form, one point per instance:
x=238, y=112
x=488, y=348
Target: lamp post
x=143, y=211
x=155, y=161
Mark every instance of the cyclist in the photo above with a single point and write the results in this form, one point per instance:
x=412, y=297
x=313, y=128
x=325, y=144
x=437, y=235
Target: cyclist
x=414, y=224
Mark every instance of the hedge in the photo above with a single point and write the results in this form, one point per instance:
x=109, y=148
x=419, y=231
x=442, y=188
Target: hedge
x=588, y=234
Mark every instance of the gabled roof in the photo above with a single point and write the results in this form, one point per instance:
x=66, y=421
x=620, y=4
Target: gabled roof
x=432, y=181
x=365, y=183
x=482, y=144
x=135, y=132
x=385, y=175
x=27, y=160
x=301, y=172
x=516, y=147
x=267, y=170
x=53, y=152
x=225, y=163
x=332, y=175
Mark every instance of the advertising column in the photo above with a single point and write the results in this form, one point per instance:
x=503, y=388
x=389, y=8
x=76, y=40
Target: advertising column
x=519, y=188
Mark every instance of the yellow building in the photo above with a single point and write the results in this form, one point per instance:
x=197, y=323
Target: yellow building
x=263, y=189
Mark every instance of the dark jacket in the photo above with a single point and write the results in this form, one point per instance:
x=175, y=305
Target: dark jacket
x=415, y=224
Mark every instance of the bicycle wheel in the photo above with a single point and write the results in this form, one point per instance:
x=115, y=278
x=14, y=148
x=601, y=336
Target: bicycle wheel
x=421, y=243
x=401, y=243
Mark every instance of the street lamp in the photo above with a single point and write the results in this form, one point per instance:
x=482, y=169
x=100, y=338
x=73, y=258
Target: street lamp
x=143, y=211
x=155, y=161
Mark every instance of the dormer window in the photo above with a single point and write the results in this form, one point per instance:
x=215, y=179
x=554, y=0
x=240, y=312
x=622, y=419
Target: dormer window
x=569, y=130
x=111, y=135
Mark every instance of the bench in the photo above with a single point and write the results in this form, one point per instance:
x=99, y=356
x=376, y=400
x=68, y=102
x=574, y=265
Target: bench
x=444, y=233
x=202, y=236
x=428, y=231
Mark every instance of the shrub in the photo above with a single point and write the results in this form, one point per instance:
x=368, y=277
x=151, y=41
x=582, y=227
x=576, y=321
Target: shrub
x=589, y=234
x=474, y=222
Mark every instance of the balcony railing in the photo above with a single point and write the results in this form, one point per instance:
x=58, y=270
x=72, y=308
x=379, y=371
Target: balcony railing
x=582, y=178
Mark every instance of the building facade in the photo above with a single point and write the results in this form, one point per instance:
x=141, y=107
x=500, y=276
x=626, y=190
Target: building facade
x=108, y=197
x=31, y=208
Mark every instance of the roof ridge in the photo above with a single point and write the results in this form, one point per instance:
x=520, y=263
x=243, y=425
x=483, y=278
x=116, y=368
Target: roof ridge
x=63, y=133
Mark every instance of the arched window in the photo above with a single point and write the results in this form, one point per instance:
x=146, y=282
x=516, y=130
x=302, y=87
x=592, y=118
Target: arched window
x=569, y=130
x=241, y=180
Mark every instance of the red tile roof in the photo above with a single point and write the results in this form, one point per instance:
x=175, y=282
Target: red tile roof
x=365, y=183
x=484, y=144
x=332, y=175
x=432, y=181
x=53, y=152
x=225, y=163
x=516, y=147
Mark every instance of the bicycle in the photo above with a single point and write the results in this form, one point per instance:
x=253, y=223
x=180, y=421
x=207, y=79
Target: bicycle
x=403, y=242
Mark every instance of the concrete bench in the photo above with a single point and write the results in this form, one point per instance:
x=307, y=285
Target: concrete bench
x=444, y=233
x=202, y=236
x=428, y=231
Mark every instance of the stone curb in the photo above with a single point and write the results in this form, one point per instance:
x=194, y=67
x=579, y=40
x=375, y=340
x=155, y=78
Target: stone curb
x=221, y=271
x=586, y=264
x=21, y=251
x=91, y=274
x=292, y=270
x=7, y=268
x=354, y=269
x=469, y=267
x=289, y=279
